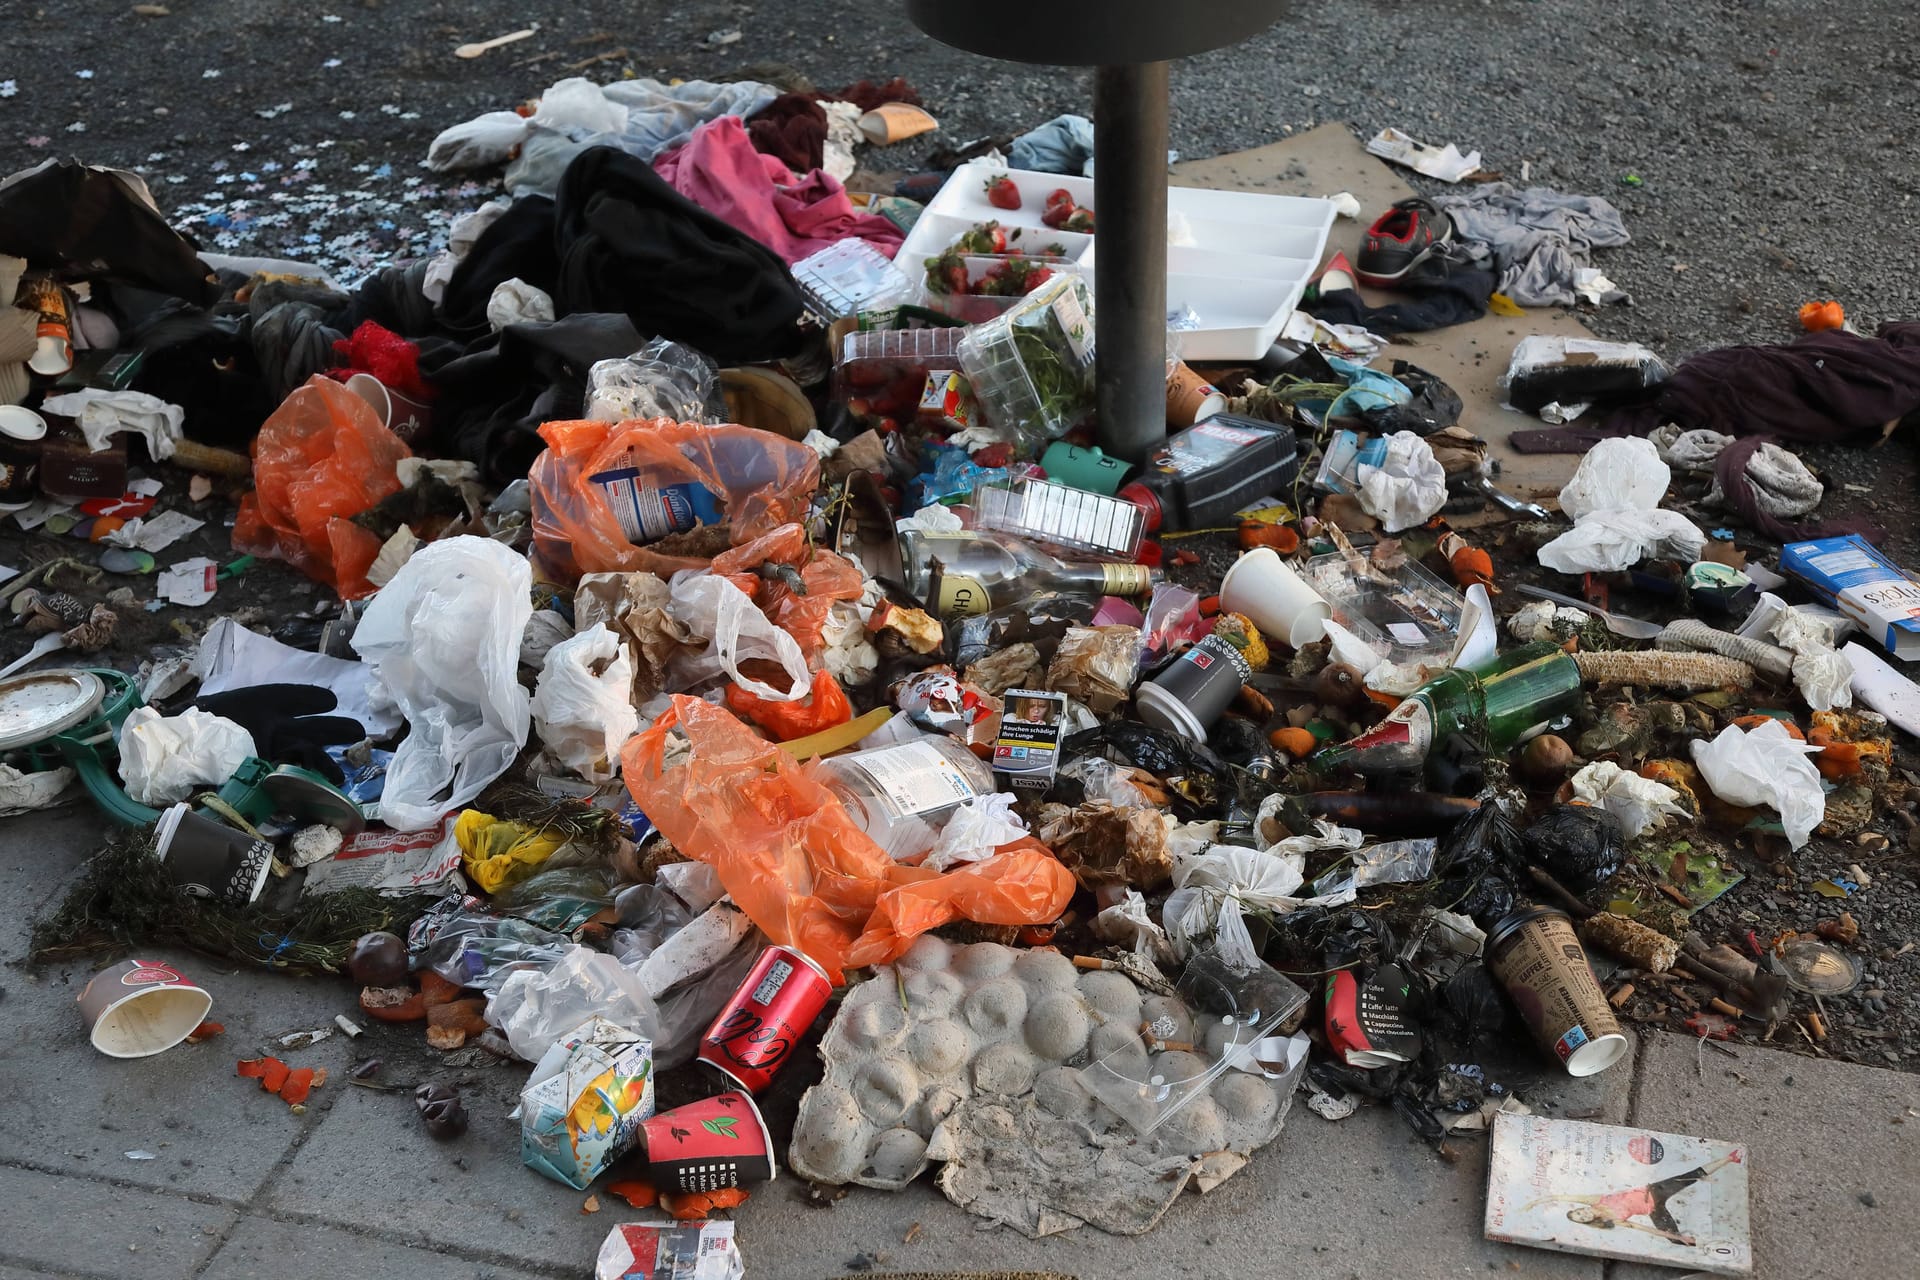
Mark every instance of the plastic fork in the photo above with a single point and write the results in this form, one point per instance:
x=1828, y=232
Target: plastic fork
x=1618, y=623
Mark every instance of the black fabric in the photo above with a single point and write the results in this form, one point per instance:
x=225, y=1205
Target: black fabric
x=286, y=727
x=84, y=223
x=1439, y=293
x=495, y=393
x=519, y=243
x=1825, y=388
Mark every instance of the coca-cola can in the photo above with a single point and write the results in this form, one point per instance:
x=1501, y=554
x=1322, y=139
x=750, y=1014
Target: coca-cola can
x=762, y=1025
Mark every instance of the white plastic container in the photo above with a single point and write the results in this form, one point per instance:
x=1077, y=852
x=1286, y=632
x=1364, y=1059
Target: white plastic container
x=902, y=795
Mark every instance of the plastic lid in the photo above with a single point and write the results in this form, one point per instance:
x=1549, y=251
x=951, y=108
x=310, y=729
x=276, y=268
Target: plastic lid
x=1596, y=1055
x=38, y=706
x=1818, y=969
x=1164, y=711
x=21, y=423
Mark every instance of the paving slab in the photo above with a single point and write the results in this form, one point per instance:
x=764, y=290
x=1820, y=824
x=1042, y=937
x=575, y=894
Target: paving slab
x=39, y=854
x=1824, y=1137
x=1468, y=357
x=70, y=1107
x=262, y=1249
x=76, y=1227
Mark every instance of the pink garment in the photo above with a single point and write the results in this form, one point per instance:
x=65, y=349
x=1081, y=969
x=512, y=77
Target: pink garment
x=719, y=170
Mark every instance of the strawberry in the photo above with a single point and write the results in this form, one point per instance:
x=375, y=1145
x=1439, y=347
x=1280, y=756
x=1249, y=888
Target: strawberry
x=1079, y=220
x=1001, y=193
x=985, y=238
x=1059, y=208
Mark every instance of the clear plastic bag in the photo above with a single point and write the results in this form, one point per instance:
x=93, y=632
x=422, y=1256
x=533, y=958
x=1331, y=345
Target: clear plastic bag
x=322, y=458
x=662, y=379
x=716, y=610
x=479, y=949
x=536, y=1007
x=598, y=487
x=582, y=704
x=443, y=638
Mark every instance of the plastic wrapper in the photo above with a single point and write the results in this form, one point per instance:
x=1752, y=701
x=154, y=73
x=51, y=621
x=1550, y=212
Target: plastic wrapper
x=322, y=458
x=1640, y=804
x=557, y=898
x=474, y=948
x=478, y=143
x=581, y=706
x=662, y=379
x=536, y=1007
x=590, y=482
x=1768, y=766
x=793, y=859
x=164, y=759
x=443, y=639
x=495, y=854
x=1551, y=369
x=1096, y=665
x=1040, y=620
x=716, y=610
x=1407, y=487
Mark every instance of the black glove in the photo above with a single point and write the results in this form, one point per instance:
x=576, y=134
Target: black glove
x=285, y=728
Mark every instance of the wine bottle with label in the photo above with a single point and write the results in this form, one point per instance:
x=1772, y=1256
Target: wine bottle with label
x=960, y=574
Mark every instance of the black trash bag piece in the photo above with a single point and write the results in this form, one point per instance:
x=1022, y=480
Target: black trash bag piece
x=1459, y=767
x=87, y=222
x=1434, y=407
x=1199, y=779
x=1473, y=1003
x=1580, y=846
x=1321, y=938
x=1477, y=866
x=441, y=1110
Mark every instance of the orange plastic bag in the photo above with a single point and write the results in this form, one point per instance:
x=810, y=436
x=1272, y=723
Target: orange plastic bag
x=827, y=577
x=322, y=458
x=824, y=708
x=595, y=484
x=791, y=857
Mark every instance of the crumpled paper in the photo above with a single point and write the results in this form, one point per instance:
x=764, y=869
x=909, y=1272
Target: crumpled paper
x=1640, y=804
x=1407, y=487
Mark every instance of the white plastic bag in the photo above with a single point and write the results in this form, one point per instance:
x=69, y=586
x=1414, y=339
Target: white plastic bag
x=1622, y=474
x=581, y=706
x=444, y=638
x=1127, y=923
x=1608, y=541
x=535, y=1007
x=164, y=758
x=1765, y=766
x=1640, y=803
x=1407, y=487
x=715, y=610
x=974, y=830
x=474, y=144
x=577, y=108
x=517, y=302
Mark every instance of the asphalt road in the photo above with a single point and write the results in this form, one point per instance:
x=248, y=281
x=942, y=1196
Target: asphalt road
x=1768, y=137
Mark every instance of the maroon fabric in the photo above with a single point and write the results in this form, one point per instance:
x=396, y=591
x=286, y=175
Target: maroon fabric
x=792, y=129
x=1825, y=388
x=867, y=95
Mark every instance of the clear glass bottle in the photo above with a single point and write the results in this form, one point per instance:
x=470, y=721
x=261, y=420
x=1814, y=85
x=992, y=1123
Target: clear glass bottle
x=959, y=574
x=902, y=795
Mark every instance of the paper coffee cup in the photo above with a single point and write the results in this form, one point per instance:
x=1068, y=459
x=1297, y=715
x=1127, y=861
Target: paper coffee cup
x=374, y=392
x=1190, y=397
x=1538, y=958
x=1194, y=690
x=1265, y=588
x=710, y=1145
x=209, y=860
x=141, y=1007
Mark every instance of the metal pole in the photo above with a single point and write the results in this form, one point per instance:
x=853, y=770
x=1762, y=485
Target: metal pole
x=1130, y=203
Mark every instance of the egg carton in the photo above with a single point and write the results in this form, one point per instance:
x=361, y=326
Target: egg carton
x=1008, y=1065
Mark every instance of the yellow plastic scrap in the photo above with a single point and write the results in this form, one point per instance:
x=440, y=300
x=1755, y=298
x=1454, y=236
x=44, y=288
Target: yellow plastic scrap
x=495, y=853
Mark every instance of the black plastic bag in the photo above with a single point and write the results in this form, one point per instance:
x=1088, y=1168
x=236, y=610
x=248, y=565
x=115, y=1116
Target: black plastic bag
x=1434, y=407
x=1476, y=865
x=1580, y=846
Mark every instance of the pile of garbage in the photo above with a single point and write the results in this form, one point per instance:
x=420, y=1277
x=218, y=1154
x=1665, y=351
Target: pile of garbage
x=749, y=669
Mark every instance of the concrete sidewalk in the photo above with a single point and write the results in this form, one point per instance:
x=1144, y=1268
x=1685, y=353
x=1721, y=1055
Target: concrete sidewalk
x=241, y=1187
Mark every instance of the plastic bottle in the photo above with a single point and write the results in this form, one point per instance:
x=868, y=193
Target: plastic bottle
x=1497, y=704
x=901, y=795
x=1202, y=476
x=959, y=574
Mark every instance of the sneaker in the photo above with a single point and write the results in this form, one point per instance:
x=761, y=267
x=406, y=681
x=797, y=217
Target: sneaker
x=1401, y=239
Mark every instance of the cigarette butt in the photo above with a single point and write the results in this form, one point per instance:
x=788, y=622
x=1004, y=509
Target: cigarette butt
x=1089, y=962
x=1620, y=997
x=1818, y=1027
x=1732, y=1011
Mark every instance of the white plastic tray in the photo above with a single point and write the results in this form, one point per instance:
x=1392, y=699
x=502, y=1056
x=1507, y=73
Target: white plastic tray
x=1241, y=260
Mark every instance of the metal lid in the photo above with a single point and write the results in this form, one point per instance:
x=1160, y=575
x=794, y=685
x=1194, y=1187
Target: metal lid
x=38, y=705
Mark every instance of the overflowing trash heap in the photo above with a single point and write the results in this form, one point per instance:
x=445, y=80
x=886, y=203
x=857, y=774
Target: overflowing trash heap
x=750, y=672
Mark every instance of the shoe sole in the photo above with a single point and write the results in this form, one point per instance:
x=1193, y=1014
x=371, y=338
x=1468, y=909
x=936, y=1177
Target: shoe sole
x=1382, y=281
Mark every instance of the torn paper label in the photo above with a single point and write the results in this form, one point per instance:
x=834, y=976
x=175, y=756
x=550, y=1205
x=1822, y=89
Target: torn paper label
x=155, y=534
x=394, y=862
x=191, y=582
x=1445, y=163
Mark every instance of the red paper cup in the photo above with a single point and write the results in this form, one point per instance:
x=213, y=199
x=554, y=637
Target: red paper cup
x=141, y=1007
x=708, y=1146
x=762, y=1026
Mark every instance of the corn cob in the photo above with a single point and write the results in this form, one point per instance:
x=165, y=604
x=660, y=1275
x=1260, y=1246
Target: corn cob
x=1691, y=635
x=1685, y=671
x=1631, y=941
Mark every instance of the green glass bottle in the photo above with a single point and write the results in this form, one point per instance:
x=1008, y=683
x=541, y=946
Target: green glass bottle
x=1498, y=704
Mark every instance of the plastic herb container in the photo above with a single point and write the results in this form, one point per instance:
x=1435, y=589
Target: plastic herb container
x=1032, y=368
